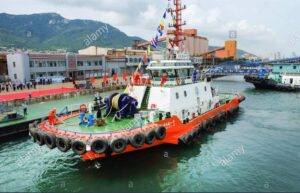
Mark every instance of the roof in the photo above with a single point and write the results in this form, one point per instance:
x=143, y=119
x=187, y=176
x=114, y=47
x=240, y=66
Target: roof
x=170, y=64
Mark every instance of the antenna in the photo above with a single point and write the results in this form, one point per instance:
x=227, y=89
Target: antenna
x=177, y=24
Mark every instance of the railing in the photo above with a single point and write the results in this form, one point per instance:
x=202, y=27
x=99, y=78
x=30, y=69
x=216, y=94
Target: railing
x=172, y=81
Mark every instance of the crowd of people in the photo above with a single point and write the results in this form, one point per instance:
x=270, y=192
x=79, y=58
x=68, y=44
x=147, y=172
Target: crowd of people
x=17, y=86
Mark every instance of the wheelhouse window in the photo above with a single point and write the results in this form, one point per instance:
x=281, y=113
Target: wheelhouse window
x=177, y=95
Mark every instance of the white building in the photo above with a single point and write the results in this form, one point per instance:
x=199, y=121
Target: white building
x=29, y=66
x=18, y=66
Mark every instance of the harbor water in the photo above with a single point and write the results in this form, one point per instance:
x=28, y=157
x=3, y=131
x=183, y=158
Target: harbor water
x=258, y=150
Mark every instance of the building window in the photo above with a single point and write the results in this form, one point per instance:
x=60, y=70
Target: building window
x=177, y=95
x=31, y=64
x=15, y=76
x=40, y=65
x=100, y=62
x=96, y=63
x=185, y=94
x=89, y=63
x=14, y=64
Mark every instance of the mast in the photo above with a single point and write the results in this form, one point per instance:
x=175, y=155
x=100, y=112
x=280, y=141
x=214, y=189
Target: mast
x=178, y=34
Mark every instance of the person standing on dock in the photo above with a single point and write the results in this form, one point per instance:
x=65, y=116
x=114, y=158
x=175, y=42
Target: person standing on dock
x=24, y=106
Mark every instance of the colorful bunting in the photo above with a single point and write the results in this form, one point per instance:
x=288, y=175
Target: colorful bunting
x=149, y=50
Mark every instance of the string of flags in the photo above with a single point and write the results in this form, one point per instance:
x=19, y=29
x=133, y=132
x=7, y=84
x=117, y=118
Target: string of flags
x=154, y=41
x=160, y=30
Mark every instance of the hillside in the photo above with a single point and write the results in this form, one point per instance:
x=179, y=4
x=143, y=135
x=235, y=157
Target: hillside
x=52, y=31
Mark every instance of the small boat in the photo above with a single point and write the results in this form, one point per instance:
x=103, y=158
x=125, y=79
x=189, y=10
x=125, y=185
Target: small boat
x=287, y=82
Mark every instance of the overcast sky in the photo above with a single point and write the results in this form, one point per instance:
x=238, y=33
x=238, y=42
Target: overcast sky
x=263, y=26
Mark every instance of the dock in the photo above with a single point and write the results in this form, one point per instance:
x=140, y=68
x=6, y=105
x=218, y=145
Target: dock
x=39, y=110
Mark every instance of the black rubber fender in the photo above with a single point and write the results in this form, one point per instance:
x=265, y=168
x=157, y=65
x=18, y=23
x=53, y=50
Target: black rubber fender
x=40, y=138
x=137, y=140
x=63, y=144
x=161, y=133
x=150, y=137
x=118, y=145
x=79, y=147
x=50, y=141
x=32, y=132
x=194, y=134
x=198, y=133
x=204, y=125
x=211, y=123
x=99, y=145
x=188, y=139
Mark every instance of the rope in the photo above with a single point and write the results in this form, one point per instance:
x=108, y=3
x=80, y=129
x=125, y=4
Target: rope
x=120, y=112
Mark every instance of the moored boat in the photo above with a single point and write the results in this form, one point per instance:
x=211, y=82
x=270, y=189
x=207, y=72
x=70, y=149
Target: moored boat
x=284, y=77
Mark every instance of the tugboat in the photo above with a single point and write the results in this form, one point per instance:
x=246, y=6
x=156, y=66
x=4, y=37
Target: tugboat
x=175, y=107
x=284, y=77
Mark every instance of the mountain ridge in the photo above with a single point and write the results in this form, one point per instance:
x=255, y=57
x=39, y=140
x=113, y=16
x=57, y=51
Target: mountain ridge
x=46, y=31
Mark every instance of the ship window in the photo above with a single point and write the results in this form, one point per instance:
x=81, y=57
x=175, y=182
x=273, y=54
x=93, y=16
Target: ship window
x=295, y=67
x=280, y=67
x=177, y=95
x=185, y=94
x=205, y=89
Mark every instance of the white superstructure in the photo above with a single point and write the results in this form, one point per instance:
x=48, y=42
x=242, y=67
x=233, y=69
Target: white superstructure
x=175, y=88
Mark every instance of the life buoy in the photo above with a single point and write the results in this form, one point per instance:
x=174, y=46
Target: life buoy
x=118, y=145
x=138, y=140
x=79, y=147
x=40, y=138
x=63, y=144
x=99, y=146
x=160, y=133
x=83, y=108
x=50, y=140
x=150, y=137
